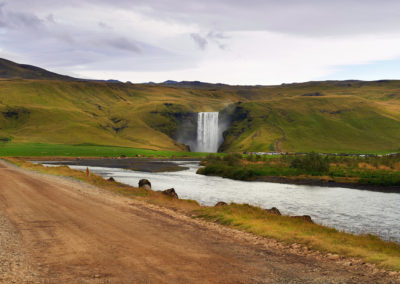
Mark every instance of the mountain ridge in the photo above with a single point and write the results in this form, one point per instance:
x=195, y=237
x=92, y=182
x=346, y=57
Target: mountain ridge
x=13, y=70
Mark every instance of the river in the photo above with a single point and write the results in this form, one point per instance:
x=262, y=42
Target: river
x=346, y=209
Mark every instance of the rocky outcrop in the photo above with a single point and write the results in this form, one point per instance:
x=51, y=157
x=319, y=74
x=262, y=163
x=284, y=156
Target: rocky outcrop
x=274, y=211
x=220, y=204
x=171, y=193
x=305, y=218
x=145, y=183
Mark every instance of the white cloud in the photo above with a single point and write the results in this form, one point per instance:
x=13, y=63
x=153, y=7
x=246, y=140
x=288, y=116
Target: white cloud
x=270, y=58
x=264, y=42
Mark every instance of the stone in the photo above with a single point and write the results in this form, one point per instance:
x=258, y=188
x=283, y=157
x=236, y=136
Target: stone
x=171, y=193
x=333, y=256
x=273, y=211
x=111, y=179
x=305, y=218
x=220, y=204
x=145, y=183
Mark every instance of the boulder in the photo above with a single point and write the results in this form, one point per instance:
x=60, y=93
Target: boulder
x=274, y=211
x=220, y=204
x=305, y=218
x=171, y=193
x=111, y=179
x=145, y=183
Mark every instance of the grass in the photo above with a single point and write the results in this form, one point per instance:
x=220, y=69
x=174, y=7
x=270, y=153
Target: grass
x=251, y=219
x=288, y=230
x=42, y=149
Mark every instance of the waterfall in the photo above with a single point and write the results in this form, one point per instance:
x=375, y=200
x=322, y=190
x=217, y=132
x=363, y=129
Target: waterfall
x=207, y=132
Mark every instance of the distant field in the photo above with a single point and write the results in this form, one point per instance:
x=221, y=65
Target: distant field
x=39, y=149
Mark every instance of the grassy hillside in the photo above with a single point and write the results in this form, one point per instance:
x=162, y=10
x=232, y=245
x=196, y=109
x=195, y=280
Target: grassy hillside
x=324, y=124
x=347, y=116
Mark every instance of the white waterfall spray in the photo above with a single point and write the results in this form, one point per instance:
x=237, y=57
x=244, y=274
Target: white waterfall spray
x=207, y=132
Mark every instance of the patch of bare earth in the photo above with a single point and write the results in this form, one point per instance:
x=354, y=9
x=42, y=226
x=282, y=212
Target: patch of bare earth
x=59, y=230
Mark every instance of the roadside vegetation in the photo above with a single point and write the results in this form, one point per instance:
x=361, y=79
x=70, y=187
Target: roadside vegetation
x=367, y=170
x=250, y=219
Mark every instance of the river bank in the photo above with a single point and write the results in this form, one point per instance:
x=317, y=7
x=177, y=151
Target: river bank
x=150, y=165
x=373, y=173
x=351, y=210
x=154, y=165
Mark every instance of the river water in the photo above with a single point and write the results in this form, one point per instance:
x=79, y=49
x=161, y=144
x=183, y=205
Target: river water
x=350, y=210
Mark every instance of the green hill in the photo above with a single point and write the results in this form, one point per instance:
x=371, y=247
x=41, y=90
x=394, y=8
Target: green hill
x=12, y=70
x=337, y=116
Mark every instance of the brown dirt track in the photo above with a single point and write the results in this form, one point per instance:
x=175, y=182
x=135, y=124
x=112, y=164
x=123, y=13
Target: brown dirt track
x=59, y=230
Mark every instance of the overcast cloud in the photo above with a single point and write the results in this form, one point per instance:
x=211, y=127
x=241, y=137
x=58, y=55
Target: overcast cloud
x=236, y=42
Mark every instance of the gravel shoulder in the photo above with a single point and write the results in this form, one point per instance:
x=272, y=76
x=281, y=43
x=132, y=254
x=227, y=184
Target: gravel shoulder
x=60, y=230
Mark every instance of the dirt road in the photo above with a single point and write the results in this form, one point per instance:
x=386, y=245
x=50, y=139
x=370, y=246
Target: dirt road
x=58, y=230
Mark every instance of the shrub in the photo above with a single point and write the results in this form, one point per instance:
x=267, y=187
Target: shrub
x=232, y=159
x=311, y=163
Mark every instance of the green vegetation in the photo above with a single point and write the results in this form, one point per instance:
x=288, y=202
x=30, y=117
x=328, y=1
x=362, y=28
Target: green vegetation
x=312, y=163
x=84, y=150
x=346, y=117
x=372, y=170
x=251, y=219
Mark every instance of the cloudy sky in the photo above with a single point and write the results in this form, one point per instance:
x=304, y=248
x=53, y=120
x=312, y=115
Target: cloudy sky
x=228, y=41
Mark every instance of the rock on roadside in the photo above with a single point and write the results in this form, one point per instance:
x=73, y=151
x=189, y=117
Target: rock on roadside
x=274, y=211
x=171, y=193
x=305, y=218
x=145, y=183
